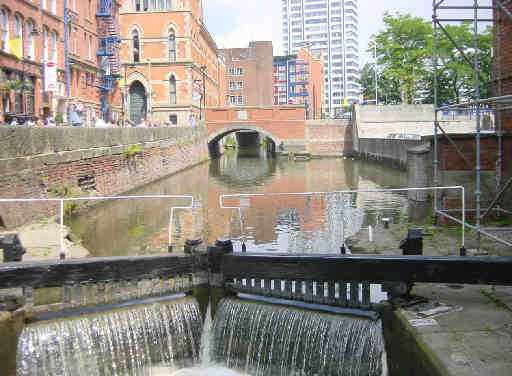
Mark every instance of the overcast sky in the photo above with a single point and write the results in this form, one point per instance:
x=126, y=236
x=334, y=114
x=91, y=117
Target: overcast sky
x=233, y=23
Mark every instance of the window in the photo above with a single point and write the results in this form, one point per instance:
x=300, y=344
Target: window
x=18, y=31
x=172, y=46
x=137, y=5
x=30, y=40
x=239, y=71
x=4, y=29
x=240, y=99
x=53, y=6
x=45, y=43
x=173, y=119
x=232, y=100
x=53, y=46
x=75, y=41
x=136, y=46
x=168, y=4
x=89, y=47
x=43, y=4
x=172, y=90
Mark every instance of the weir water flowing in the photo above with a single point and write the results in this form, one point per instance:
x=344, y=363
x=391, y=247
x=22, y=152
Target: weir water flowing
x=245, y=338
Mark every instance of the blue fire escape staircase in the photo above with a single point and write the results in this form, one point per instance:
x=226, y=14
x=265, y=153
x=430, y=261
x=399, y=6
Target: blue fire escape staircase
x=109, y=44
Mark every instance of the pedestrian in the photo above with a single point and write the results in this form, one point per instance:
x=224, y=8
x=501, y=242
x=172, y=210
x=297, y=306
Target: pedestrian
x=14, y=121
x=30, y=122
x=142, y=123
x=39, y=122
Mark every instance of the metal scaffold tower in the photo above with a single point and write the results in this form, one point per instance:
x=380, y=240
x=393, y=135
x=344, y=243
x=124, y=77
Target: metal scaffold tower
x=108, y=51
x=476, y=12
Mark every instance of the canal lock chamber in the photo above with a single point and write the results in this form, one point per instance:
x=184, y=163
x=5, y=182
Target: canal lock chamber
x=173, y=337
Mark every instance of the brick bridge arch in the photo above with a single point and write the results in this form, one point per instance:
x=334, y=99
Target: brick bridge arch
x=284, y=125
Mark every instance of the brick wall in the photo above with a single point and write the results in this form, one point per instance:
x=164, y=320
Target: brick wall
x=47, y=163
x=333, y=138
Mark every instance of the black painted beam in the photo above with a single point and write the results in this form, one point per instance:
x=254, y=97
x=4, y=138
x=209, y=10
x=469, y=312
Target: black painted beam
x=92, y=270
x=374, y=268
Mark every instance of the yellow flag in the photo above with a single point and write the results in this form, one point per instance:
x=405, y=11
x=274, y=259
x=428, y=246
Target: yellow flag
x=16, y=46
x=345, y=101
x=121, y=82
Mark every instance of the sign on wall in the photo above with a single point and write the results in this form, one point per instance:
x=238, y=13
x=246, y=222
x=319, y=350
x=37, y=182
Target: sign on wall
x=50, y=76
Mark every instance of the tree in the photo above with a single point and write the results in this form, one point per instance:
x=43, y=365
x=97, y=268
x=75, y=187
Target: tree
x=388, y=90
x=405, y=57
x=455, y=75
x=402, y=52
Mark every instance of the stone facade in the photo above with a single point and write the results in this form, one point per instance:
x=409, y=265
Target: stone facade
x=43, y=38
x=172, y=58
x=56, y=162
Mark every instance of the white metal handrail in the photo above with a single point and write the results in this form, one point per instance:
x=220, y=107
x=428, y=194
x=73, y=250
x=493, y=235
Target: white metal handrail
x=342, y=192
x=98, y=198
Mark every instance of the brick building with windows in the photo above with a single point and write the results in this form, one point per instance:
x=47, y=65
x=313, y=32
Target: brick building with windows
x=38, y=25
x=299, y=79
x=249, y=74
x=169, y=59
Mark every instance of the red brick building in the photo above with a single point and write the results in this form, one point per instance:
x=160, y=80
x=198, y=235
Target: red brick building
x=169, y=59
x=39, y=25
x=249, y=74
x=299, y=79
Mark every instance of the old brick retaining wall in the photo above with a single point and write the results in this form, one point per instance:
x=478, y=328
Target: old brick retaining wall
x=65, y=162
x=329, y=137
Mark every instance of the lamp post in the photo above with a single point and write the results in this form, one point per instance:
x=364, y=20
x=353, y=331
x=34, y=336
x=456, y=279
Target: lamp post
x=67, y=19
x=375, y=69
x=203, y=70
x=150, y=99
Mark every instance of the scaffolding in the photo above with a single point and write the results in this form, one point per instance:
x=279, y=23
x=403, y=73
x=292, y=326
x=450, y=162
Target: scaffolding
x=108, y=51
x=443, y=11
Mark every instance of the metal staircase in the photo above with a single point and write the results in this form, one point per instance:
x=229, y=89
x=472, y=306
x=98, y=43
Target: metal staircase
x=110, y=41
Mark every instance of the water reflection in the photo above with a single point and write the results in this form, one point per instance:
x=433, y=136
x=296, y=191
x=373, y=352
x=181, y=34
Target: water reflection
x=292, y=223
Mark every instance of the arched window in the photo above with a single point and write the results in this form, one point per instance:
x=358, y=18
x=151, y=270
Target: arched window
x=45, y=43
x=4, y=29
x=136, y=46
x=53, y=46
x=172, y=90
x=172, y=46
x=30, y=40
x=18, y=31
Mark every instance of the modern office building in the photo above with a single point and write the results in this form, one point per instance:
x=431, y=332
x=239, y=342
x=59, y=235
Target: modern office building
x=329, y=26
x=299, y=79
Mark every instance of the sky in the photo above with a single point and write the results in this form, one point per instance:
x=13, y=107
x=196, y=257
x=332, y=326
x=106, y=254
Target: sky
x=234, y=23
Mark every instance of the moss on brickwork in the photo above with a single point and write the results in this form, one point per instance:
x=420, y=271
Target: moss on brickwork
x=10, y=329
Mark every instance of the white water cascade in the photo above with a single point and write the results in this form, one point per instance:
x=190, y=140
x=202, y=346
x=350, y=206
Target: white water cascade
x=160, y=339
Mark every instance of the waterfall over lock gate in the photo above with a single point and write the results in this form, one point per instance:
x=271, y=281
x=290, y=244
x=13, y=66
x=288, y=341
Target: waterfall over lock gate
x=127, y=342
x=164, y=339
x=265, y=339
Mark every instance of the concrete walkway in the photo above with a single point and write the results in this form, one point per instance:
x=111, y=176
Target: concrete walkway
x=42, y=241
x=475, y=337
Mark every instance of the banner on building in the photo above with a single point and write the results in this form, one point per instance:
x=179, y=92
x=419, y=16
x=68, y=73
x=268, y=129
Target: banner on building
x=50, y=76
x=16, y=47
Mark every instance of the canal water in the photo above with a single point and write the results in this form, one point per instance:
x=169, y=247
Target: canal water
x=286, y=206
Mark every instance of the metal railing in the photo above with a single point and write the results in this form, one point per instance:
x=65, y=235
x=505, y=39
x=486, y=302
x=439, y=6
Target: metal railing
x=103, y=198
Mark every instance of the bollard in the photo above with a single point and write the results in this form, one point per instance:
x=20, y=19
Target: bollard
x=13, y=250
x=413, y=244
x=191, y=245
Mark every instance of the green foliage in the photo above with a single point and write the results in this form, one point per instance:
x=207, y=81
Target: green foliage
x=491, y=294
x=405, y=62
x=230, y=142
x=59, y=118
x=132, y=151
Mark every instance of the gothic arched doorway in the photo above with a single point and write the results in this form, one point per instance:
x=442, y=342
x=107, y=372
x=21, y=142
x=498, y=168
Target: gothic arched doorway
x=138, y=102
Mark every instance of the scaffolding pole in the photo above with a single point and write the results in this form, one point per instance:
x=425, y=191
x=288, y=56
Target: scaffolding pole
x=497, y=102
